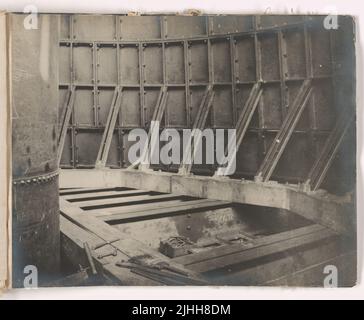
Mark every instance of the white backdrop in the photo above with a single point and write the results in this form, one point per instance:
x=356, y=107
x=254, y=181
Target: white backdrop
x=350, y=7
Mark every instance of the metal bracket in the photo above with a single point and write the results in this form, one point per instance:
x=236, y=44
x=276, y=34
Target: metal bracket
x=143, y=163
x=280, y=141
x=109, y=129
x=245, y=117
x=66, y=116
x=323, y=162
x=198, y=125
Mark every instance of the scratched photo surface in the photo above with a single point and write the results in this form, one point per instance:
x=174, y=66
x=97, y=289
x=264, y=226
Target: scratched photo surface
x=183, y=150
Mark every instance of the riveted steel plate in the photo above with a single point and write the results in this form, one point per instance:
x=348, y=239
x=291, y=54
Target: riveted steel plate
x=268, y=45
x=140, y=28
x=248, y=156
x=199, y=69
x=83, y=63
x=270, y=106
x=105, y=96
x=226, y=24
x=91, y=27
x=130, y=107
x=294, y=55
x=245, y=59
x=175, y=63
x=107, y=60
x=221, y=60
x=153, y=64
x=222, y=107
x=184, y=26
x=84, y=107
x=176, y=107
x=129, y=64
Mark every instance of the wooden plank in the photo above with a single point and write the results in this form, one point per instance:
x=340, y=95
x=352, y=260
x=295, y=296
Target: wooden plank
x=190, y=206
x=128, y=246
x=235, y=248
x=76, y=191
x=260, y=252
x=127, y=200
x=280, y=266
x=133, y=208
x=104, y=195
x=72, y=239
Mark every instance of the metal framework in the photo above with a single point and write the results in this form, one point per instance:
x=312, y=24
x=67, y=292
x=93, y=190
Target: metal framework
x=232, y=57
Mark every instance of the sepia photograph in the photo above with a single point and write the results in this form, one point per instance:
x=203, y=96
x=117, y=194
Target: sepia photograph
x=181, y=149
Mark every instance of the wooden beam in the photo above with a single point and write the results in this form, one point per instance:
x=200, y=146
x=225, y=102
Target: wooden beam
x=129, y=247
x=77, y=191
x=256, y=243
x=103, y=195
x=164, y=211
x=115, y=202
x=73, y=238
x=337, y=213
x=134, y=208
x=284, y=265
x=260, y=252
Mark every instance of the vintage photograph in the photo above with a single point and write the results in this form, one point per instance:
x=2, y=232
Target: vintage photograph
x=182, y=150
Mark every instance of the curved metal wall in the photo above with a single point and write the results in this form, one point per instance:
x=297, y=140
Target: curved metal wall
x=34, y=77
x=186, y=54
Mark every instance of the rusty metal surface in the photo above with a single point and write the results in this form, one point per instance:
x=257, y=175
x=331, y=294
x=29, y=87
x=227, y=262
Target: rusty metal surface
x=34, y=75
x=186, y=54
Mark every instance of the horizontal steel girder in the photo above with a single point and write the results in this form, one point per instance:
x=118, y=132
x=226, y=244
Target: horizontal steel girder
x=331, y=211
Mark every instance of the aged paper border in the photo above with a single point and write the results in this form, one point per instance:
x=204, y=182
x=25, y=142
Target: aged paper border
x=4, y=155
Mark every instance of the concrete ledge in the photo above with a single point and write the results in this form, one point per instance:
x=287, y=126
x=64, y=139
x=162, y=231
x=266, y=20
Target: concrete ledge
x=335, y=213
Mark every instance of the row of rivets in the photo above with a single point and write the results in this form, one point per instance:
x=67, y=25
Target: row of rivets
x=36, y=180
